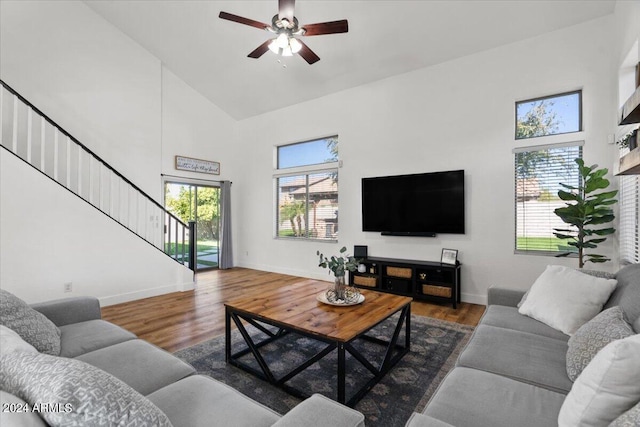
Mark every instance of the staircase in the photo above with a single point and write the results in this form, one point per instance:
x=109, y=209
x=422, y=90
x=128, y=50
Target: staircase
x=32, y=136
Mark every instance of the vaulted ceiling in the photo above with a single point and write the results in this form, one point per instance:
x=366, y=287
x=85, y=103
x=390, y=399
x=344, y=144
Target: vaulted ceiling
x=385, y=38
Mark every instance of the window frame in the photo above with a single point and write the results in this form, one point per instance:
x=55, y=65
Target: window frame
x=628, y=219
x=569, y=144
x=542, y=98
x=306, y=171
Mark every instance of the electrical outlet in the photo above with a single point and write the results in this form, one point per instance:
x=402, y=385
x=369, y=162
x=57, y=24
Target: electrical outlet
x=68, y=287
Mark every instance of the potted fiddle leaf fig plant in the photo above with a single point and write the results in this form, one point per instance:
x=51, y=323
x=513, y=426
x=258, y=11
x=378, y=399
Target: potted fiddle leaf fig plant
x=339, y=265
x=589, y=211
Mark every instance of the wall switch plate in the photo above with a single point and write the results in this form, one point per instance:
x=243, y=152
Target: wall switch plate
x=68, y=287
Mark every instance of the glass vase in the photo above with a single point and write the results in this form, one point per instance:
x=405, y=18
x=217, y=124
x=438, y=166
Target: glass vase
x=339, y=288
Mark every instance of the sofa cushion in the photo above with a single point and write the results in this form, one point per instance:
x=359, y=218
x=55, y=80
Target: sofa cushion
x=631, y=418
x=197, y=400
x=83, y=395
x=509, y=318
x=143, y=366
x=627, y=293
x=319, y=407
x=522, y=356
x=83, y=337
x=31, y=325
x=607, y=326
x=10, y=341
x=607, y=387
x=565, y=299
x=17, y=418
x=422, y=420
x=472, y=398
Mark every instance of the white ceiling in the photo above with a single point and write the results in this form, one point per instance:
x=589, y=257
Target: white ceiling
x=385, y=38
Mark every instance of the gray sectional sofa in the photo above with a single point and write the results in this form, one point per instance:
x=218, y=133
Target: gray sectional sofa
x=513, y=371
x=187, y=399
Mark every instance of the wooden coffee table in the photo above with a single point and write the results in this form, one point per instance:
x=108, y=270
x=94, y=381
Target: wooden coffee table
x=294, y=308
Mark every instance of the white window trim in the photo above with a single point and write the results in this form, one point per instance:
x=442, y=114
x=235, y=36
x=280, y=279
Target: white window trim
x=539, y=147
x=328, y=167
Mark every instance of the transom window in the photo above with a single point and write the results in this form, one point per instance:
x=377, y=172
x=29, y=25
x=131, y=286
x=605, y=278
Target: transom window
x=306, y=182
x=549, y=115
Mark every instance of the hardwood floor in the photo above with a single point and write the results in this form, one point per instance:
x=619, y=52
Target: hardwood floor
x=182, y=319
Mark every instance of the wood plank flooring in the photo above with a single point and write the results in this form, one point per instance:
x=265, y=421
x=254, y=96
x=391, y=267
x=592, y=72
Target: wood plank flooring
x=181, y=319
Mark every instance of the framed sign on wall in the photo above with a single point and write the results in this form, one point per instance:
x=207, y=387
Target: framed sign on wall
x=197, y=165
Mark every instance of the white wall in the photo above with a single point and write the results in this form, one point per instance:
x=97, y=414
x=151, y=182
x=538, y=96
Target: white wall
x=117, y=99
x=194, y=127
x=51, y=237
x=89, y=78
x=457, y=115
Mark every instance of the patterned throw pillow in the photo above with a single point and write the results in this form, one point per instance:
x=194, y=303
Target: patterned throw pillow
x=631, y=418
x=31, y=325
x=76, y=393
x=590, y=338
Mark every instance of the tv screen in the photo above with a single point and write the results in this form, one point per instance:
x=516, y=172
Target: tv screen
x=414, y=205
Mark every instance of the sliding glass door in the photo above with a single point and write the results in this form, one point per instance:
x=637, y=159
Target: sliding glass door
x=199, y=203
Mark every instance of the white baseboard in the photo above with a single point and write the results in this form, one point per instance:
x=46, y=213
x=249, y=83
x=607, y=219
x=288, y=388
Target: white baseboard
x=145, y=293
x=473, y=299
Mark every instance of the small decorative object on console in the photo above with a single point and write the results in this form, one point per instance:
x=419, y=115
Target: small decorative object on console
x=340, y=293
x=449, y=256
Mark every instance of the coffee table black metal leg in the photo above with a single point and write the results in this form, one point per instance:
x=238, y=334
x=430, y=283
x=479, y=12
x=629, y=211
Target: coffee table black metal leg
x=227, y=335
x=341, y=373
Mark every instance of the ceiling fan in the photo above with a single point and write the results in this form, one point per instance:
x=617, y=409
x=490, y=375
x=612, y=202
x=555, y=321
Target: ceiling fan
x=287, y=30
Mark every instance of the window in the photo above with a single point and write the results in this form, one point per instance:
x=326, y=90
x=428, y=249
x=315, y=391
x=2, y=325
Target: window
x=629, y=198
x=538, y=174
x=306, y=182
x=550, y=115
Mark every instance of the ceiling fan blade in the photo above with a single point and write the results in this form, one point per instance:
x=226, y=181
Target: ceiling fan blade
x=308, y=54
x=285, y=9
x=241, y=20
x=332, y=27
x=260, y=50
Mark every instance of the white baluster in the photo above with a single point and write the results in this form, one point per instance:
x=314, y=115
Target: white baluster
x=68, y=162
x=14, y=135
x=1, y=115
x=29, y=133
x=43, y=128
x=55, y=154
x=79, y=171
x=100, y=192
x=90, y=179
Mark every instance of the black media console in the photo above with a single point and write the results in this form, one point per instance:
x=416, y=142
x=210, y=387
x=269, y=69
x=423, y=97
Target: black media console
x=422, y=280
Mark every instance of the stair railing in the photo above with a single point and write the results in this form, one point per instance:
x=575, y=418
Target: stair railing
x=35, y=138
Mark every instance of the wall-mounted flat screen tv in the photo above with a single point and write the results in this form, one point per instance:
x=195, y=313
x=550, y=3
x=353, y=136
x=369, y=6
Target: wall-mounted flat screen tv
x=414, y=205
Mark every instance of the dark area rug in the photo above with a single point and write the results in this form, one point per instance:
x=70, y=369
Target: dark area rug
x=435, y=345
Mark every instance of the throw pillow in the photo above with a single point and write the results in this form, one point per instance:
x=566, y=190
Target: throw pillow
x=631, y=418
x=606, y=388
x=76, y=393
x=31, y=325
x=566, y=299
x=594, y=273
x=590, y=338
x=10, y=342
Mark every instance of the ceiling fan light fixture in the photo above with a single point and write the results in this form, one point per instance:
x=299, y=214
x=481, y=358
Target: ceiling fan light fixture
x=273, y=46
x=282, y=41
x=295, y=45
x=287, y=51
